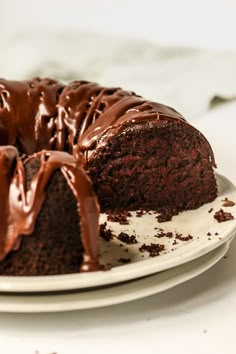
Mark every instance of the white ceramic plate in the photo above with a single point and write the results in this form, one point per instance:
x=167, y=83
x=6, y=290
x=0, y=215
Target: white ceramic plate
x=133, y=290
x=198, y=223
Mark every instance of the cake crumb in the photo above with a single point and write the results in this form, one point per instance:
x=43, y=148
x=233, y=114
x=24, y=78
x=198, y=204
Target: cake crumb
x=140, y=213
x=124, y=260
x=166, y=214
x=163, y=217
x=105, y=233
x=183, y=238
x=164, y=234
x=154, y=249
x=124, y=237
x=210, y=210
x=119, y=216
x=222, y=216
x=158, y=228
x=227, y=202
x=216, y=233
x=208, y=234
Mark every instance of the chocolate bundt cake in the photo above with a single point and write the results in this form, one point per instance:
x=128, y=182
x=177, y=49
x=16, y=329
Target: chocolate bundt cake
x=139, y=154
x=49, y=212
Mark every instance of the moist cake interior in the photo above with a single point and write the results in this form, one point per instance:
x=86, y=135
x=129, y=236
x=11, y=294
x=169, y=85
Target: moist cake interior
x=154, y=167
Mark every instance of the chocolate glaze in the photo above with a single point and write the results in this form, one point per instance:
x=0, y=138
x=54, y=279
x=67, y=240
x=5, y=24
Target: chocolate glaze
x=44, y=114
x=20, y=207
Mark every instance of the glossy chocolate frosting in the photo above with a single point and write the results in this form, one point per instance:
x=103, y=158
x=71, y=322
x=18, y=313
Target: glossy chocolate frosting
x=78, y=117
x=20, y=207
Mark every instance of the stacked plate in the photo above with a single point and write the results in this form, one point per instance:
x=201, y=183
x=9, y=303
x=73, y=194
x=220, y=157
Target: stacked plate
x=189, y=244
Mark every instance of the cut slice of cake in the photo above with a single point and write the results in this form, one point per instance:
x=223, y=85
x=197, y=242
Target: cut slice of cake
x=50, y=220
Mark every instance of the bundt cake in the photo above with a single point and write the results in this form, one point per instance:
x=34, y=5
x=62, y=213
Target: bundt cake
x=138, y=154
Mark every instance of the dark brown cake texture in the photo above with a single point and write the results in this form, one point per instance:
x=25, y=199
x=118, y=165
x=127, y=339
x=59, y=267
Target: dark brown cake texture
x=51, y=215
x=140, y=155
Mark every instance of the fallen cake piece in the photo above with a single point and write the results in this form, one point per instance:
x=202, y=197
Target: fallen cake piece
x=48, y=215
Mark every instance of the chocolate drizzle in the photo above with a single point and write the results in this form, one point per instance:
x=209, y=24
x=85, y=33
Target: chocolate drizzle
x=44, y=114
x=21, y=207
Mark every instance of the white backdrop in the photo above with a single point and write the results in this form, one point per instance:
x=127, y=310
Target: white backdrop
x=205, y=23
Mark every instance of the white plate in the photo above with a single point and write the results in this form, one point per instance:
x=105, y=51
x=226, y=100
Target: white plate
x=195, y=222
x=133, y=290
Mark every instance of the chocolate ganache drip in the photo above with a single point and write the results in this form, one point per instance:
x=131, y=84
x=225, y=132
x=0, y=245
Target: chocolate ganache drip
x=20, y=207
x=45, y=114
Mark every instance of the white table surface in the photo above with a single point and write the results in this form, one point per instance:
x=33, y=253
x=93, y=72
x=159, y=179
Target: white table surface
x=198, y=316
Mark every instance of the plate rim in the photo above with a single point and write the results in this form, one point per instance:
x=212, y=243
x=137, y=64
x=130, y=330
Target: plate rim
x=53, y=283
x=134, y=290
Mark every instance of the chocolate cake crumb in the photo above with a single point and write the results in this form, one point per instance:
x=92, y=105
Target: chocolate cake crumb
x=177, y=235
x=166, y=215
x=124, y=237
x=227, y=202
x=164, y=234
x=208, y=234
x=124, y=260
x=216, y=233
x=210, y=210
x=105, y=233
x=119, y=216
x=158, y=228
x=153, y=249
x=183, y=238
x=140, y=213
x=222, y=216
x=163, y=217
